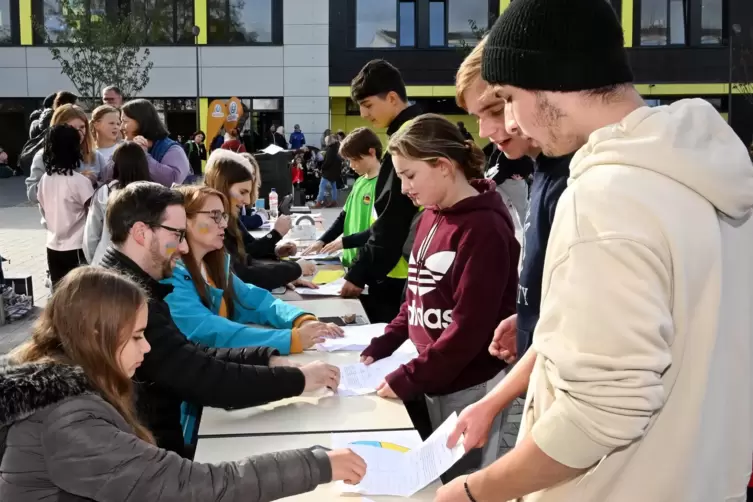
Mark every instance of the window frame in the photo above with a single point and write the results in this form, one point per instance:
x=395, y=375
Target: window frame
x=422, y=33
x=398, y=41
x=693, y=26
x=277, y=28
x=15, y=25
x=114, y=8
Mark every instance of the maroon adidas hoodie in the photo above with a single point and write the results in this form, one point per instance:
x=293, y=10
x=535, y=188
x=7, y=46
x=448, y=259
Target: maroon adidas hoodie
x=462, y=281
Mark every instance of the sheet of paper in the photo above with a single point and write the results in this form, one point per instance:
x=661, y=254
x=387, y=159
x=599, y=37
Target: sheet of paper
x=355, y=338
x=327, y=276
x=319, y=257
x=359, y=379
x=331, y=289
x=390, y=472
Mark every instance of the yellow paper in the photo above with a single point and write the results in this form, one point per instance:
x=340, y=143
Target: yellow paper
x=327, y=276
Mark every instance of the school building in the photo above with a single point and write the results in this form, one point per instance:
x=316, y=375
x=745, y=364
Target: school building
x=291, y=61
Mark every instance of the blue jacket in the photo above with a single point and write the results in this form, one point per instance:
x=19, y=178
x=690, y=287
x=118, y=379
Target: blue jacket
x=252, y=306
x=297, y=140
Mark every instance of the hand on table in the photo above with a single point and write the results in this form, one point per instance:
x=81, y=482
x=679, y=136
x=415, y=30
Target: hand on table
x=504, y=343
x=454, y=491
x=367, y=360
x=313, y=332
x=303, y=283
x=384, y=390
x=474, y=423
x=286, y=249
x=319, y=374
x=277, y=361
x=334, y=246
x=347, y=466
x=308, y=268
x=350, y=290
x=283, y=224
x=313, y=249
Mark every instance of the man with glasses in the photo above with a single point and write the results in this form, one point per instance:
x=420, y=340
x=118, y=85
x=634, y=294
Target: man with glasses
x=112, y=96
x=147, y=224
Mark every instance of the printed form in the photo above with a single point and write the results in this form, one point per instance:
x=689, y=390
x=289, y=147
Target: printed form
x=358, y=379
x=390, y=472
x=354, y=338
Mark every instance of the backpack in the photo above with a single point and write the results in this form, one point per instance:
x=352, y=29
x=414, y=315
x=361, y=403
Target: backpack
x=30, y=149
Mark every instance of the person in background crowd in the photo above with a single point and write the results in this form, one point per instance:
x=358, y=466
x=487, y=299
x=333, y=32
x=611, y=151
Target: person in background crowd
x=5, y=170
x=129, y=165
x=197, y=152
x=279, y=138
x=270, y=135
x=464, y=131
x=168, y=163
x=236, y=177
x=63, y=194
x=640, y=309
x=341, y=135
x=326, y=134
x=147, y=225
x=232, y=142
x=105, y=127
x=211, y=305
x=112, y=96
x=297, y=139
x=464, y=239
x=380, y=93
x=46, y=105
x=218, y=140
x=331, y=173
x=38, y=128
x=78, y=436
x=350, y=230
x=251, y=216
x=92, y=165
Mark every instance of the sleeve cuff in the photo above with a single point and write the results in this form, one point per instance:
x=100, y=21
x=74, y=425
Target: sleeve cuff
x=562, y=440
x=301, y=319
x=324, y=464
x=296, y=347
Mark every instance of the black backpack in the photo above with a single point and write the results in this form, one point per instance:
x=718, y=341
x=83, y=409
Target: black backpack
x=27, y=153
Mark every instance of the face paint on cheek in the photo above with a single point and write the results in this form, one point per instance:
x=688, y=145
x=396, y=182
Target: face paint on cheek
x=171, y=248
x=203, y=229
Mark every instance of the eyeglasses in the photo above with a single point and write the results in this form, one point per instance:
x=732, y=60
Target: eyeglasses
x=217, y=215
x=179, y=232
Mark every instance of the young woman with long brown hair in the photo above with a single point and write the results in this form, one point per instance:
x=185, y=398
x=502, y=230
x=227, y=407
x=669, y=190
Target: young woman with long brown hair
x=237, y=178
x=69, y=426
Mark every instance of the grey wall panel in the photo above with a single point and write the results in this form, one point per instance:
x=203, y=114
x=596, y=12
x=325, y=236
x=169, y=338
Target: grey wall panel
x=318, y=104
x=14, y=84
x=171, y=82
x=171, y=57
x=39, y=57
x=312, y=125
x=44, y=81
x=309, y=35
x=246, y=81
x=305, y=12
x=306, y=55
x=241, y=56
x=12, y=57
x=306, y=81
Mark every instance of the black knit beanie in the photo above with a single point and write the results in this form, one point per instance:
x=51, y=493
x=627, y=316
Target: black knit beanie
x=557, y=45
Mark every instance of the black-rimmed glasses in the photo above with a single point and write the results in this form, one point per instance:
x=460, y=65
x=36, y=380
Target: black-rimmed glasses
x=179, y=232
x=217, y=215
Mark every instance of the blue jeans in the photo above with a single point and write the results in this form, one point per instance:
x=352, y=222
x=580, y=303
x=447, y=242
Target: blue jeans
x=323, y=184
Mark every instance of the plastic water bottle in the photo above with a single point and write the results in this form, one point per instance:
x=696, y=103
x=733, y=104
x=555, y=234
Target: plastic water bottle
x=274, y=202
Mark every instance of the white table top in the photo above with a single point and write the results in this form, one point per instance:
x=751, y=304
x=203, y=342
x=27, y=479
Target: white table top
x=330, y=307
x=229, y=449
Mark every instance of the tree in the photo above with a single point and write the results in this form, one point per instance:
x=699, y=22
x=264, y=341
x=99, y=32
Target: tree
x=95, y=50
x=744, y=71
x=478, y=34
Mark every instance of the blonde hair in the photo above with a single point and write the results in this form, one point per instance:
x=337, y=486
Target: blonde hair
x=469, y=72
x=98, y=114
x=64, y=114
x=431, y=137
x=86, y=323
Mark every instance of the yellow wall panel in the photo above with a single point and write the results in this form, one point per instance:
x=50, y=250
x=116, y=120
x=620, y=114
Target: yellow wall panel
x=200, y=19
x=626, y=18
x=26, y=26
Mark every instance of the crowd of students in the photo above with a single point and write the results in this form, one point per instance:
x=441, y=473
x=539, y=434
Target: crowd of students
x=626, y=328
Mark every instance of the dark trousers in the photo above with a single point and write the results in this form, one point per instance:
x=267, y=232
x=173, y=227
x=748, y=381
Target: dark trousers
x=384, y=300
x=59, y=263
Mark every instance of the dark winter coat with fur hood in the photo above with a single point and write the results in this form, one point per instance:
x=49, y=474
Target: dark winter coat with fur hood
x=61, y=442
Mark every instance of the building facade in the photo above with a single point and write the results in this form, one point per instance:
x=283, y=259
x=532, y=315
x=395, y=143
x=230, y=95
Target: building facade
x=291, y=61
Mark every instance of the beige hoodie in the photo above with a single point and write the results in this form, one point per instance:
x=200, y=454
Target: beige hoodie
x=644, y=341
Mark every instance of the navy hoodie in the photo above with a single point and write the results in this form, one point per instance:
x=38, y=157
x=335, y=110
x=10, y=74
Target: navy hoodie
x=549, y=181
x=462, y=281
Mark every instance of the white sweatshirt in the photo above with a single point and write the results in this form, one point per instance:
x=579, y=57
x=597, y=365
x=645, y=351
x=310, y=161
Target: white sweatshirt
x=643, y=371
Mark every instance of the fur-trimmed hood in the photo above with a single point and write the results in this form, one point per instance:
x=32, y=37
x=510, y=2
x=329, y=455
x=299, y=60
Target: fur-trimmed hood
x=28, y=388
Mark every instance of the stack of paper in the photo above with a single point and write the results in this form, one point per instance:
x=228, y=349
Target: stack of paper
x=319, y=257
x=331, y=289
x=359, y=379
x=391, y=472
x=355, y=338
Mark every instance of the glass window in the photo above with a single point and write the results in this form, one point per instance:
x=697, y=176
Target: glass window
x=407, y=24
x=164, y=22
x=465, y=19
x=60, y=17
x=654, y=22
x=6, y=27
x=437, y=24
x=266, y=104
x=240, y=21
x=376, y=23
x=711, y=22
x=677, y=20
